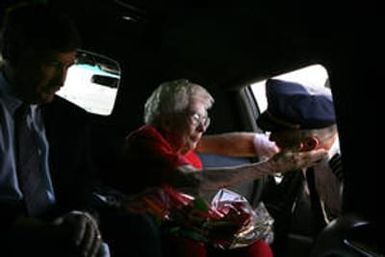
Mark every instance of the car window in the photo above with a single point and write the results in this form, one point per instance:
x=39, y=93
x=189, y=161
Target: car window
x=92, y=83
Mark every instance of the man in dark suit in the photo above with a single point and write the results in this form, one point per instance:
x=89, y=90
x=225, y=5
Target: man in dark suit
x=45, y=177
x=38, y=46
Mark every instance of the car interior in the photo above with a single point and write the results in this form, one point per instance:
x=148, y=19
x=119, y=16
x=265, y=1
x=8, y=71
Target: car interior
x=131, y=46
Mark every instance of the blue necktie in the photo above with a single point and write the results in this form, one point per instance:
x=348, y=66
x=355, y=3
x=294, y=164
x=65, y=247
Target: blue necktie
x=28, y=164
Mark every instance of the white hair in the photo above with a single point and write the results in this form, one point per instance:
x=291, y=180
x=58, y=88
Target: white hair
x=174, y=97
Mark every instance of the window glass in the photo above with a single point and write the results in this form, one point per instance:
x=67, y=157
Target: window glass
x=92, y=83
x=311, y=76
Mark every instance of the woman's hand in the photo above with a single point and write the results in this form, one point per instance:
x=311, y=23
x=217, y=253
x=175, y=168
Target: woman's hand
x=263, y=146
x=291, y=160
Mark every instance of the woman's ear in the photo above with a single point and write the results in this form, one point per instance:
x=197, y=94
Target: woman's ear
x=309, y=143
x=165, y=123
x=170, y=123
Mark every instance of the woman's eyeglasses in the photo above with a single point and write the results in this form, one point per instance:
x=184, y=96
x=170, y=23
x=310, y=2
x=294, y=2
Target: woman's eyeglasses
x=197, y=119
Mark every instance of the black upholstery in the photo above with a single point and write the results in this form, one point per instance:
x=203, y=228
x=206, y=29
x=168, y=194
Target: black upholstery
x=349, y=236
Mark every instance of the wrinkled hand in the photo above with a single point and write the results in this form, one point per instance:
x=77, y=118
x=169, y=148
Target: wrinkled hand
x=263, y=146
x=287, y=160
x=84, y=234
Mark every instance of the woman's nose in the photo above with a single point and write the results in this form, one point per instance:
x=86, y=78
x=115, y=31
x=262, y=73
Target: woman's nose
x=201, y=127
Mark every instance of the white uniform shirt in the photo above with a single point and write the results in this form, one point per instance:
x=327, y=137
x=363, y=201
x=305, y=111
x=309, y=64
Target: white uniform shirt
x=328, y=186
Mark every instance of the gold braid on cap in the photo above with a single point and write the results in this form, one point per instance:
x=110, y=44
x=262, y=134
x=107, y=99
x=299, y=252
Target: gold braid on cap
x=283, y=122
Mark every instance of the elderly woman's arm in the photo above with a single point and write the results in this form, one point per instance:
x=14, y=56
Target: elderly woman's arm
x=215, y=178
x=245, y=144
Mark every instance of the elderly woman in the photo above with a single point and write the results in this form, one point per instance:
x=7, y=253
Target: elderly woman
x=176, y=117
x=162, y=152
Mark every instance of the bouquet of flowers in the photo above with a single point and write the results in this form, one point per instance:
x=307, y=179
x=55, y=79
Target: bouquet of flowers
x=228, y=222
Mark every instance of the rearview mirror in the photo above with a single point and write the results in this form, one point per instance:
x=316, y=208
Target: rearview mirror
x=92, y=82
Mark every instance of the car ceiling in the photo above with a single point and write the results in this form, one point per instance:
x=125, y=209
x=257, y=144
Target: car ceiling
x=210, y=40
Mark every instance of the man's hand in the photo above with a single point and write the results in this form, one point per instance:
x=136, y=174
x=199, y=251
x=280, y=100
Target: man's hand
x=84, y=234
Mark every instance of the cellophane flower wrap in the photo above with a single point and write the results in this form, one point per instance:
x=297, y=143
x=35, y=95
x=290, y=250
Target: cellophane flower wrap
x=241, y=225
x=228, y=222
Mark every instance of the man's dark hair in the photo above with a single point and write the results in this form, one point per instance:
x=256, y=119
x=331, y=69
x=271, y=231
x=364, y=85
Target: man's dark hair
x=37, y=26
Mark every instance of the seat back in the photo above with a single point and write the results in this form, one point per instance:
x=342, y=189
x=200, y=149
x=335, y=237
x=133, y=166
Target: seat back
x=251, y=189
x=349, y=236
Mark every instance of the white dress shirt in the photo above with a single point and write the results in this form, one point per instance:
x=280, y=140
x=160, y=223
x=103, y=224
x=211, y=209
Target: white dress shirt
x=9, y=186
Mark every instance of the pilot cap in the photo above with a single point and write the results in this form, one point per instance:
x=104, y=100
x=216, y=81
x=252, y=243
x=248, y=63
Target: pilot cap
x=290, y=105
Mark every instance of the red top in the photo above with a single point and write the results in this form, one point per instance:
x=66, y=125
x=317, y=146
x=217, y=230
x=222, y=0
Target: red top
x=152, y=158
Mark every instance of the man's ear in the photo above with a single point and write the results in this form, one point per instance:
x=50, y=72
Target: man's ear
x=309, y=143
